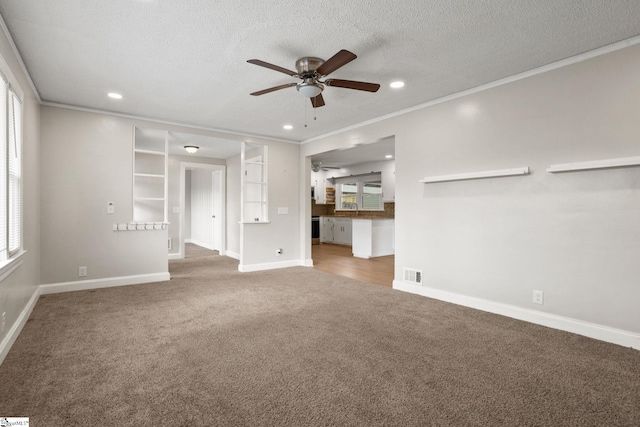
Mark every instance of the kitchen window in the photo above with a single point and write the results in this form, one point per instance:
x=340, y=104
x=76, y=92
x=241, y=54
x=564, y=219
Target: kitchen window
x=360, y=192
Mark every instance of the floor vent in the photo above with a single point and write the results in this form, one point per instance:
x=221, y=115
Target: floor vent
x=412, y=275
x=169, y=243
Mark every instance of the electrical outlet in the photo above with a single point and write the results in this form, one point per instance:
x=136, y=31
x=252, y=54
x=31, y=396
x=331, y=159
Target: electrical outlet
x=538, y=297
x=82, y=271
x=278, y=251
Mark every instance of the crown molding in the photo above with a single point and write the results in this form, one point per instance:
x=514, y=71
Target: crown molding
x=545, y=68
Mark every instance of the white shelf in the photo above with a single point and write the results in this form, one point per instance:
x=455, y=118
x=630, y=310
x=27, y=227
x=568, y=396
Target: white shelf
x=595, y=164
x=149, y=175
x=155, y=153
x=254, y=163
x=255, y=182
x=147, y=199
x=476, y=175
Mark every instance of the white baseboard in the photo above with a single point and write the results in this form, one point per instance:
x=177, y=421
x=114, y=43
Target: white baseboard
x=175, y=256
x=188, y=241
x=82, y=285
x=15, y=330
x=587, y=329
x=233, y=255
x=307, y=263
x=270, y=265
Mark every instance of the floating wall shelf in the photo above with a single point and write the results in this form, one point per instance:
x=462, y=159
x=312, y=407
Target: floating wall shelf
x=595, y=164
x=476, y=175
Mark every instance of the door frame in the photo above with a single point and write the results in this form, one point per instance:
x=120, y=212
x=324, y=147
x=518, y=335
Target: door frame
x=222, y=169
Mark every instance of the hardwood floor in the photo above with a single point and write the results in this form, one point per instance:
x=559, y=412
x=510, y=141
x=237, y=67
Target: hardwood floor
x=337, y=259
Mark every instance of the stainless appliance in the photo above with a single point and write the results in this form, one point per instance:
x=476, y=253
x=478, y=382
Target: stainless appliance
x=315, y=230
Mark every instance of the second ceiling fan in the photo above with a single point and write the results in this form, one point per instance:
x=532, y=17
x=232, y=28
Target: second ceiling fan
x=310, y=70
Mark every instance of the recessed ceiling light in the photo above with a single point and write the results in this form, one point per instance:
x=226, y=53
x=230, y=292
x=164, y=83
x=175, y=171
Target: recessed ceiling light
x=287, y=127
x=397, y=85
x=389, y=156
x=114, y=95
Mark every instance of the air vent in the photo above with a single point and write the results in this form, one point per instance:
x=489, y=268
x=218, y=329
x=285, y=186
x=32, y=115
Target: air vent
x=169, y=243
x=413, y=276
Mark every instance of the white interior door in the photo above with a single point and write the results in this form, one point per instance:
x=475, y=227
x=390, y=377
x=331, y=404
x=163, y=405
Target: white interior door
x=216, y=209
x=202, y=230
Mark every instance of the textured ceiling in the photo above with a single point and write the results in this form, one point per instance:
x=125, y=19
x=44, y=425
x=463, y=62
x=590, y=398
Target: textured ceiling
x=185, y=61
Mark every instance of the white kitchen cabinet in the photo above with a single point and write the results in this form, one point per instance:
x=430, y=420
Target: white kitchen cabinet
x=342, y=231
x=335, y=230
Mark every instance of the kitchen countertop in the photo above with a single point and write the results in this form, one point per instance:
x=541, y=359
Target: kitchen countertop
x=357, y=217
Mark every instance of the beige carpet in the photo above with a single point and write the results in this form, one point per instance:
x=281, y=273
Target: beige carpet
x=298, y=347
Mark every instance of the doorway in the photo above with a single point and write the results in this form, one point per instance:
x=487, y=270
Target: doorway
x=202, y=206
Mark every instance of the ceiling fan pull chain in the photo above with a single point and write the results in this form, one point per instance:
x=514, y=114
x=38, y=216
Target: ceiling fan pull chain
x=305, y=112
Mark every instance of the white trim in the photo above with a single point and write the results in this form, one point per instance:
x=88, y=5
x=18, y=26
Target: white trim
x=82, y=285
x=15, y=330
x=16, y=53
x=164, y=122
x=233, y=255
x=307, y=262
x=549, y=67
x=476, y=175
x=587, y=329
x=175, y=256
x=11, y=265
x=595, y=164
x=246, y=268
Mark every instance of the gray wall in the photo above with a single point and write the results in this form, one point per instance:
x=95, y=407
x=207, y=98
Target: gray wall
x=20, y=286
x=573, y=235
x=260, y=241
x=86, y=163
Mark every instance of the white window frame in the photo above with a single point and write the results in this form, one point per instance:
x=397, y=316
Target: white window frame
x=359, y=181
x=11, y=257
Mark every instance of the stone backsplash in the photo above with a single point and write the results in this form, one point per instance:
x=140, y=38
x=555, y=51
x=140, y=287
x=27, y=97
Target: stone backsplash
x=329, y=210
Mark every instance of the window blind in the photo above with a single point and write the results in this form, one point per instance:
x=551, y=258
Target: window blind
x=4, y=92
x=14, y=133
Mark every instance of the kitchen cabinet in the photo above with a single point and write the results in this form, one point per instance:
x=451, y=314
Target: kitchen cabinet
x=336, y=230
x=373, y=237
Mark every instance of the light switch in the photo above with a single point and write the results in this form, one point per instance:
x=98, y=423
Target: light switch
x=111, y=208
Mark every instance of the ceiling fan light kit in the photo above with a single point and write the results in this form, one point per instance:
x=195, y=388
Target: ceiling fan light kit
x=311, y=69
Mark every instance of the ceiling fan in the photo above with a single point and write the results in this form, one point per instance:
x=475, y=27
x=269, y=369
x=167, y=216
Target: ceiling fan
x=317, y=165
x=310, y=70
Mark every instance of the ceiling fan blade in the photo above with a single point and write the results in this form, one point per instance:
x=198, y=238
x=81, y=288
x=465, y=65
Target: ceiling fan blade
x=350, y=84
x=272, y=67
x=318, y=101
x=336, y=61
x=273, y=89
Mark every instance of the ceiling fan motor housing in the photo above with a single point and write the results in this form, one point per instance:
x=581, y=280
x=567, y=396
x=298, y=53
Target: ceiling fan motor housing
x=307, y=66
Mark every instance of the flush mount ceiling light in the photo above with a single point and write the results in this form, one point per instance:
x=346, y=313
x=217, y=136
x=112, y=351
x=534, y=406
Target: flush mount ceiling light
x=114, y=95
x=397, y=85
x=310, y=88
x=287, y=127
x=191, y=148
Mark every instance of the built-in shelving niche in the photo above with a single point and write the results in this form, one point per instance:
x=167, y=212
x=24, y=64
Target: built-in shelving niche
x=150, y=186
